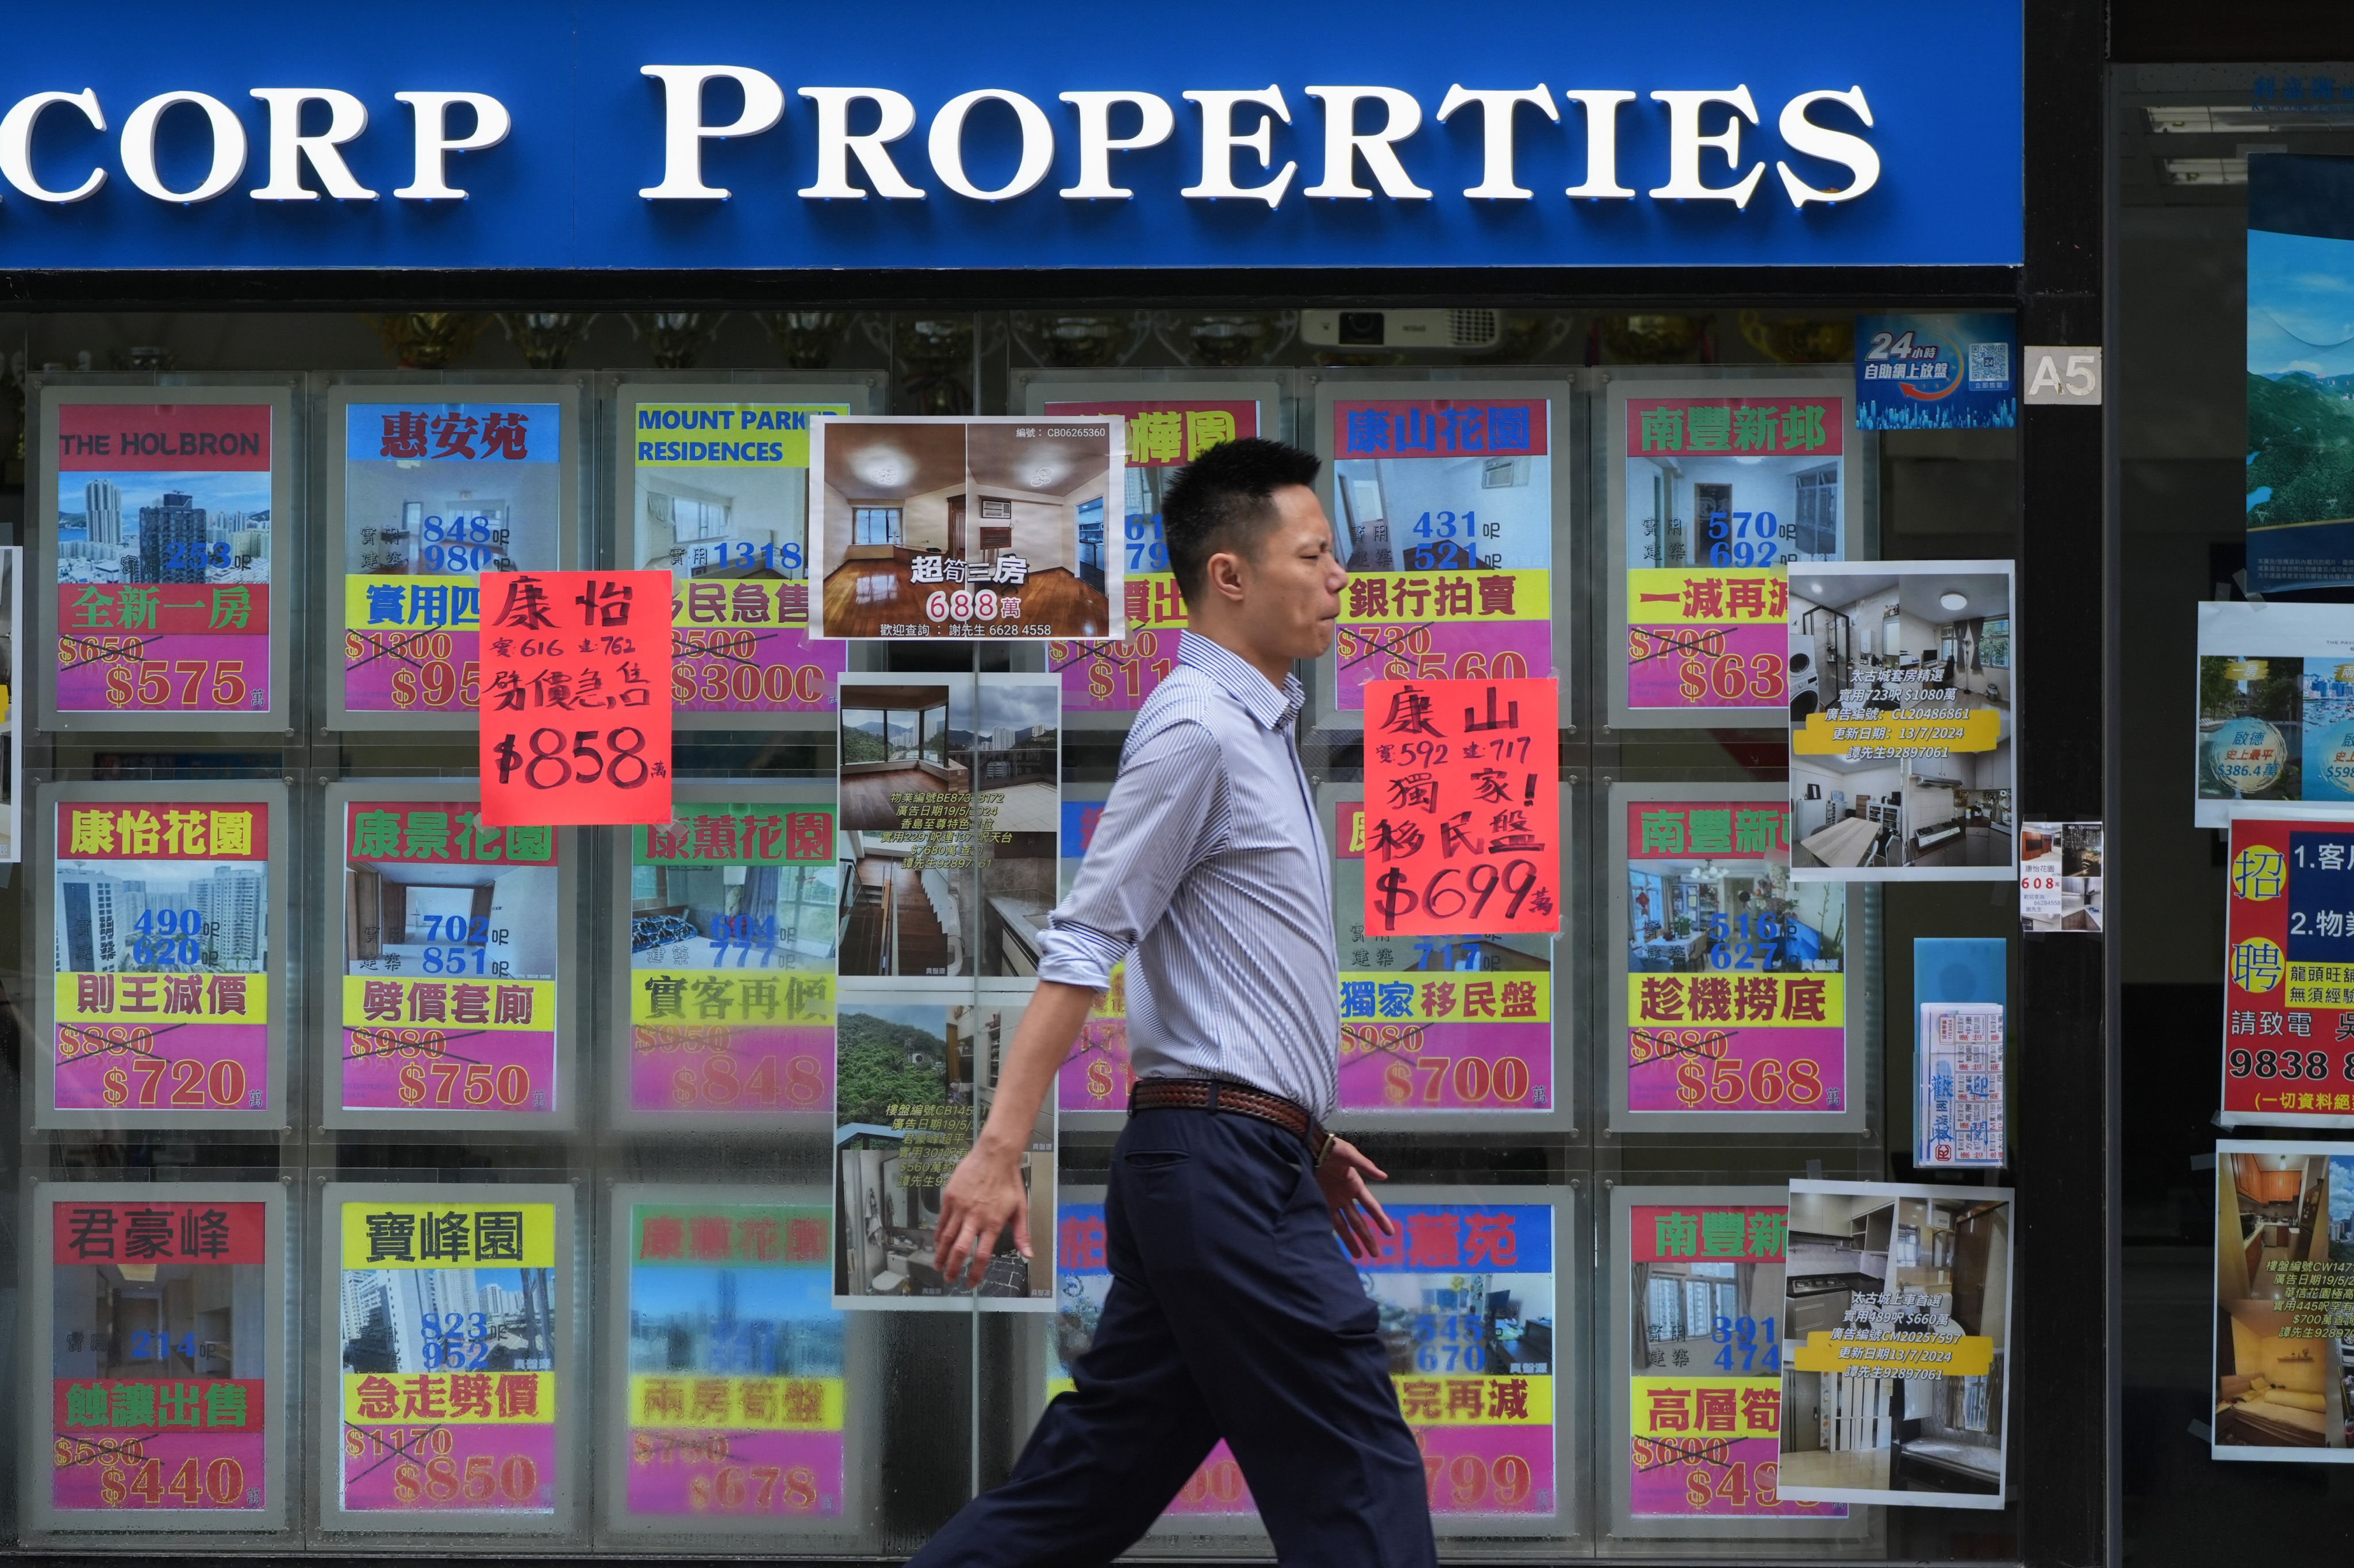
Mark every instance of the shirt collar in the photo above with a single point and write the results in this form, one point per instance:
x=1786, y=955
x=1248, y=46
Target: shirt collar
x=1272, y=709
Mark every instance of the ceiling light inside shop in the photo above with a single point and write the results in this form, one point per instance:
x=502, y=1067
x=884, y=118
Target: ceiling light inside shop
x=2206, y=171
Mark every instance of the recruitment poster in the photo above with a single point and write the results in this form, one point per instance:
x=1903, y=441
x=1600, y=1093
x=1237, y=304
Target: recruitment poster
x=2299, y=264
x=1903, y=696
x=162, y=516
x=1700, y=1272
x=726, y=987
x=914, y=1079
x=2275, y=711
x=165, y=928
x=1442, y=510
x=452, y=1359
x=950, y=817
x=162, y=1308
x=717, y=487
x=1162, y=436
x=985, y=527
x=1462, y=807
x=453, y=1004
x=1718, y=490
x=1732, y=1004
x=2283, y=1302
x=2288, y=975
x=1895, y=1381
x=731, y=1362
x=429, y=496
x=1434, y=1023
x=1466, y=1293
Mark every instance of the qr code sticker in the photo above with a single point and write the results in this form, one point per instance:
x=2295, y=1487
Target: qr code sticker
x=1989, y=365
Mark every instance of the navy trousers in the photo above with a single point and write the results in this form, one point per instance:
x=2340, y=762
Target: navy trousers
x=1232, y=1313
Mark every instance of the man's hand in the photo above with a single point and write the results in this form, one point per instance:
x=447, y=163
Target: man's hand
x=986, y=1194
x=1356, y=1212
x=981, y=1199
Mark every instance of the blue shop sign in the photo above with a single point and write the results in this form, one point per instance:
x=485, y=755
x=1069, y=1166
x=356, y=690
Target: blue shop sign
x=731, y=133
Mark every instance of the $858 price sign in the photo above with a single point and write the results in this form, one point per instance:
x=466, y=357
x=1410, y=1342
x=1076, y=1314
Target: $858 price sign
x=575, y=698
x=1462, y=806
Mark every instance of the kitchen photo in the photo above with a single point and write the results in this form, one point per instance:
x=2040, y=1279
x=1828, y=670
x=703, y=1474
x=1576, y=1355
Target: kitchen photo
x=1866, y=641
x=1945, y=1253
x=2285, y=1220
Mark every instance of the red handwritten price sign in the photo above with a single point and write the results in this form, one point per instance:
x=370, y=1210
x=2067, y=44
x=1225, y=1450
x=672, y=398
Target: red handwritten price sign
x=1462, y=806
x=575, y=698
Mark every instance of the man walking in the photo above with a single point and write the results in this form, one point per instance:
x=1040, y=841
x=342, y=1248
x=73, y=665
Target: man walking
x=1232, y=1313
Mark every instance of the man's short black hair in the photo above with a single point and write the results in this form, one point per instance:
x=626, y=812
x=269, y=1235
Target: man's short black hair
x=1224, y=500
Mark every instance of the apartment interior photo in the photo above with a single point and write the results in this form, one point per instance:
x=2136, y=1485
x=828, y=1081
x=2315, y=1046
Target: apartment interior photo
x=1949, y=633
x=2273, y=1392
x=1857, y=1433
x=895, y=492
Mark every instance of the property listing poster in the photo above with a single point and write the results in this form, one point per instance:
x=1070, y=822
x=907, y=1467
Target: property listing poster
x=1704, y=1278
x=1721, y=494
x=735, y=1362
x=435, y=494
x=2298, y=362
x=1442, y=512
x=1895, y=1378
x=453, y=935
x=2275, y=710
x=914, y=1078
x=1097, y=1075
x=12, y=700
x=1735, y=994
x=721, y=503
x=938, y=773
x=987, y=527
x=730, y=978
x=2288, y=974
x=161, y=916
x=2283, y=1302
x=1466, y=1294
x=164, y=1319
x=1162, y=436
x=1461, y=1022
x=163, y=542
x=454, y=1318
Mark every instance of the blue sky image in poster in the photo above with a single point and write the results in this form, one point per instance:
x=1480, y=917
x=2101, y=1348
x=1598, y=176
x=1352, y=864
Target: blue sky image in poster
x=1936, y=372
x=2300, y=372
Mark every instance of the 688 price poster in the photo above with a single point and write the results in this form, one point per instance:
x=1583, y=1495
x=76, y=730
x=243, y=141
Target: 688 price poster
x=2288, y=972
x=1470, y=1316
x=453, y=1363
x=164, y=1308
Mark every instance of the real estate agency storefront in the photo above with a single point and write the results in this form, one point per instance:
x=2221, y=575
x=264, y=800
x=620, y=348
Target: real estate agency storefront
x=1558, y=294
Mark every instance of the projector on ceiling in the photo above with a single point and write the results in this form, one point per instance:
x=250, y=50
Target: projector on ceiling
x=1446, y=332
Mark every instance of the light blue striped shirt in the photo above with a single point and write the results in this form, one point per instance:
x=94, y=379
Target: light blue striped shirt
x=1209, y=864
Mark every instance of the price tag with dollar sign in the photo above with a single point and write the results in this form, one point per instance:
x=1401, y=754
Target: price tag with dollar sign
x=1462, y=806
x=575, y=698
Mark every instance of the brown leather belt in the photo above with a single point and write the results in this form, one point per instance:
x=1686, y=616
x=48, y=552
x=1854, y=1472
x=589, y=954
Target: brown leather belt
x=1216, y=1095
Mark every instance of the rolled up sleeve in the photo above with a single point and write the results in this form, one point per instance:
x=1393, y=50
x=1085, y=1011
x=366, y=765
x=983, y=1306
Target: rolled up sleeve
x=1158, y=823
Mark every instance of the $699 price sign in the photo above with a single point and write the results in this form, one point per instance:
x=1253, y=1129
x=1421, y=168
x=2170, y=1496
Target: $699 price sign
x=575, y=698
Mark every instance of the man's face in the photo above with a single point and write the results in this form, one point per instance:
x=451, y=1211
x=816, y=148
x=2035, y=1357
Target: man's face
x=1292, y=581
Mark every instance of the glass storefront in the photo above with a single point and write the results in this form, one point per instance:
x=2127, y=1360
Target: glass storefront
x=395, y=1176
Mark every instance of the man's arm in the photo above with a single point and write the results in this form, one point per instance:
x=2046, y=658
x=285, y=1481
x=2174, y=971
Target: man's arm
x=986, y=1194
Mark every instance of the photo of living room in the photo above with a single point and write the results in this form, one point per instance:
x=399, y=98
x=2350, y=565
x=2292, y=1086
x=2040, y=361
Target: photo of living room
x=1886, y=1265
x=2284, y=1220
x=963, y=527
x=1930, y=641
x=1685, y=916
